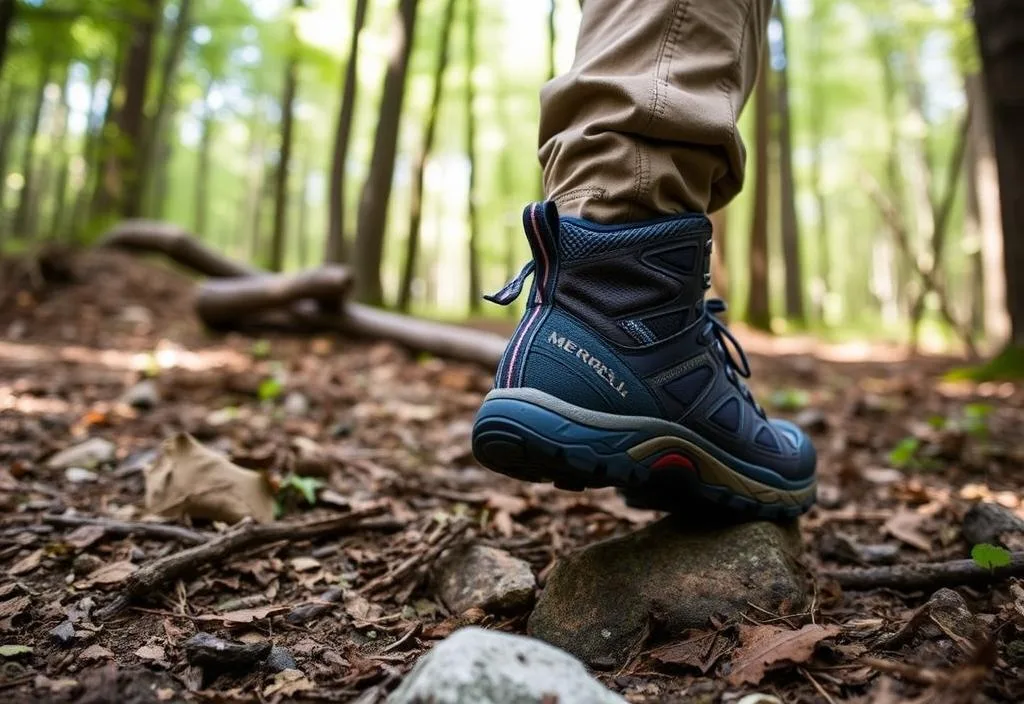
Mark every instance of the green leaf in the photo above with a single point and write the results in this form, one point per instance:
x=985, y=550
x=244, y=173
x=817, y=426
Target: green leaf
x=260, y=349
x=990, y=557
x=10, y=651
x=306, y=486
x=976, y=418
x=903, y=454
x=270, y=389
x=790, y=399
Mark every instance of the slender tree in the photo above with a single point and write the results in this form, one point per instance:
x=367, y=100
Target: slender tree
x=787, y=191
x=474, y=230
x=412, y=241
x=284, y=161
x=203, y=165
x=373, y=205
x=758, y=312
x=26, y=198
x=335, y=250
x=1000, y=27
x=817, y=107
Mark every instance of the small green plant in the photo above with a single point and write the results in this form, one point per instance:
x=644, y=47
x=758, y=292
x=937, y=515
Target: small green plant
x=306, y=487
x=903, y=454
x=990, y=557
x=270, y=389
x=790, y=399
x=260, y=349
x=976, y=419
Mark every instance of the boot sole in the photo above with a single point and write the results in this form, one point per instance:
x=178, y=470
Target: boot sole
x=535, y=437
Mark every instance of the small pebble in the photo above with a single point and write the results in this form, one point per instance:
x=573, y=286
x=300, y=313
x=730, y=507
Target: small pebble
x=78, y=475
x=280, y=659
x=63, y=634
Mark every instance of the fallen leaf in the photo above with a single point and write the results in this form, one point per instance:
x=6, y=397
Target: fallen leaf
x=288, y=683
x=11, y=651
x=27, y=563
x=304, y=564
x=95, y=652
x=84, y=536
x=765, y=646
x=190, y=479
x=245, y=615
x=150, y=652
x=13, y=607
x=700, y=652
x=905, y=525
x=114, y=573
x=165, y=694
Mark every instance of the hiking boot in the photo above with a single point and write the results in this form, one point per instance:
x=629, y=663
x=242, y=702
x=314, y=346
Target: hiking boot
x=620, y=374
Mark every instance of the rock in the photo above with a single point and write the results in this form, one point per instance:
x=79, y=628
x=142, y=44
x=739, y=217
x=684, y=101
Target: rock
x=84, y=563
x=993, y=524
x=280, y=660
x=88, y=455
x=600, y=602
x=64, y=633
x=475, y=666
x=144, y=395
x=812, y=420
x=483, y=577
x=207, y=650
x=77, y=475
x=296, y=404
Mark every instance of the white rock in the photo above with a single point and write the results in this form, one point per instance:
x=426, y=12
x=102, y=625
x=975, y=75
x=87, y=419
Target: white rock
x=91, y=453
x=77, y=475
x=296, y=404
x=144, y=395
x=476, y=666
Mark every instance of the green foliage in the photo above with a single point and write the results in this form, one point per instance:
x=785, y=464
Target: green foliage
x=306, y=487
x=12, y=651
x=976, y=418
x=270, y=389
x=260, y=349
x=990, y=557
x=790, y=399
x=905, y=452
x=1008, y=365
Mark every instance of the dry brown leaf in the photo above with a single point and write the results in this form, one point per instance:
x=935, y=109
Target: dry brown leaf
x=84, y=536
x=245, y=615
x=27, y=563
x=287, y=683
x=766, y=646
x=95, y=652
x=700, y=652
x=114, y=573
x=150, y=652
x=905, y=526
x=189, y=479
x=13, y=607
x=304, y=564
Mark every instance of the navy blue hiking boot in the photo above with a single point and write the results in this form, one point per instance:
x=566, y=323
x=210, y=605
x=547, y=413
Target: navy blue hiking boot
x=619, y=374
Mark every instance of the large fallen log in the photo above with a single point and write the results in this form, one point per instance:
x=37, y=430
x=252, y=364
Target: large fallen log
x=242, y=294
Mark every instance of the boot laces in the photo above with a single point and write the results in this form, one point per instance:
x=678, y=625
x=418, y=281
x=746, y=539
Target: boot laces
x=736, y=365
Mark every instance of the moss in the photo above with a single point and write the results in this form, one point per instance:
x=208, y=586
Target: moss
x=1008, y=365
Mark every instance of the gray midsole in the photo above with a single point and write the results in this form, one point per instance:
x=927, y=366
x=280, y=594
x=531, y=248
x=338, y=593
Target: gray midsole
x=656, y=426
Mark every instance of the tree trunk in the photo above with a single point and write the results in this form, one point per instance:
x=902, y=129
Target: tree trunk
x=122, y=174
x=790, y=224
x=302, y=214
x=758, y=312
x=719, y=261
x=474, y=247
x=7, y=10
x=23, y=215
x=106, y=138
x=412, y=242
x=983, y=195
x=203, y=165
x=335, y=250
x=7, y=129
x=90, y=151
x=61, y=160
x=818, y=104
x=373, y=205
x=284, y=162
x=156, y=201
x=154, y=141
x=1000, y=27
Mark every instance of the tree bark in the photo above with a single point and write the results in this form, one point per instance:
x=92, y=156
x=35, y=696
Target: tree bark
x=412, y=241
x=7, y=13
x=284, y=162
x=153, y=141
x=224, y=301
x=23, y=216
x=474, y=230
x=373, y=205
x=1000, y=29
x=758, y=312
x=336, y=249
x=122, y=174
x=203, y=165
x=795, y=311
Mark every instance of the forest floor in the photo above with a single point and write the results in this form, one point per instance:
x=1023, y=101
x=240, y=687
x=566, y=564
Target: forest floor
x=904, y=455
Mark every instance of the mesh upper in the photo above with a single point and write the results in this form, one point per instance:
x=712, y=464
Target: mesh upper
x=576, y=241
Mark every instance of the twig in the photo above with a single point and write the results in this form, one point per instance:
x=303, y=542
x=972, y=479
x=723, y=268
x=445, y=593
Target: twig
x=817, y=686
x=397, y=574
x=246, y=535
x=919, y=675
x=149, y=530
x=925, y=575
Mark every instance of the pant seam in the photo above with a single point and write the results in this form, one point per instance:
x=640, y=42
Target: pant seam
x=575, y=194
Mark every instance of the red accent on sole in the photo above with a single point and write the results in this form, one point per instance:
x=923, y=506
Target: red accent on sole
x=673, y=461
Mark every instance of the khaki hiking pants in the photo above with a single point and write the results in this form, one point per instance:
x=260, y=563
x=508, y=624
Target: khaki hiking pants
x=644, y=124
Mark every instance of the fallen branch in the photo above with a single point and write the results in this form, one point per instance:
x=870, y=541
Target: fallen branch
x=417, y=560
x=223, y=301
x=444, y=340
x=153, y=575
x=925, y=575
x=135, y=528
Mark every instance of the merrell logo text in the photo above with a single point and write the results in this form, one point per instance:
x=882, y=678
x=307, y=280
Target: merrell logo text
x=595, y=364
